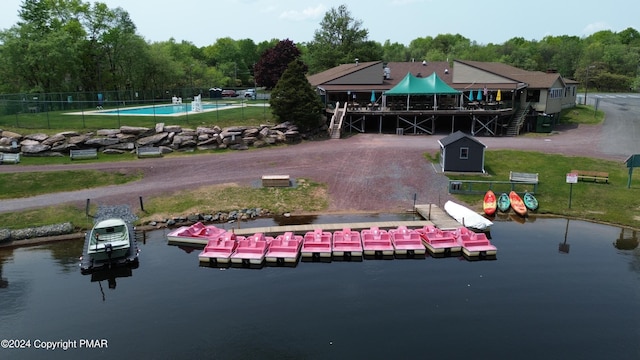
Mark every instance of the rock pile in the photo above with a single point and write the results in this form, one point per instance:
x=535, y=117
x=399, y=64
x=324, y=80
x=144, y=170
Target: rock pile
x=168, y=138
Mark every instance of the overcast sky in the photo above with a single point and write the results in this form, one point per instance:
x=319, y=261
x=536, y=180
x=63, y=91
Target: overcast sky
x=202, y=22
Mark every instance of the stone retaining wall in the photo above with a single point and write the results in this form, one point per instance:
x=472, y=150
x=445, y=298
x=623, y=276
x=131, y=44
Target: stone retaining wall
x=167, y=138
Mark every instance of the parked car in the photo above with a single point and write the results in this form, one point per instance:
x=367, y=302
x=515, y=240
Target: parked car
x=229, y=93
x=250, y=93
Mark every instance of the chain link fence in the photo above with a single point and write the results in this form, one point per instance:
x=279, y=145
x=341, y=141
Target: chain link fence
x=43, y=110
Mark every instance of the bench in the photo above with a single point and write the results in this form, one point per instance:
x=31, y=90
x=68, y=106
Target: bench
x=148, y=151
x=6, y=158
x=530, y=178
x=78, y=154
x=594, y=176
x=275, y=181
x=524, y=178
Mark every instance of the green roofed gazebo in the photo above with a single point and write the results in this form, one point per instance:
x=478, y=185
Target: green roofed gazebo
x=413, y=85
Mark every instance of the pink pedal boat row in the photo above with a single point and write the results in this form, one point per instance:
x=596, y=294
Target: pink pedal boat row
x=471, y=244
x=236, y=249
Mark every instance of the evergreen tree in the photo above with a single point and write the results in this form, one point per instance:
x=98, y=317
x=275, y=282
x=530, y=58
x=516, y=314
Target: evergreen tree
x=294, y=99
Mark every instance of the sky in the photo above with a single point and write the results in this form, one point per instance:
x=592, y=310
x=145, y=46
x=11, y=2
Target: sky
x=399, y=21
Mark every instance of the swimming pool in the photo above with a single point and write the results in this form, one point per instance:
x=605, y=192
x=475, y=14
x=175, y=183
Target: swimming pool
x=162, y=110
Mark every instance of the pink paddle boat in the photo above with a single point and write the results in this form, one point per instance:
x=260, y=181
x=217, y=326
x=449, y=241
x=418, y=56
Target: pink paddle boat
x=474, y=244
x=219, y=250
x=376, y=242
x=439, y=242
x=252, y=250
x=195, y=232
x=346, y=242
x=407, y=241
x=316, y=243
x=284, y=248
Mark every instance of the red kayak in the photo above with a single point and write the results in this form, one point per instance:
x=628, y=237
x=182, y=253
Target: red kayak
x=517, y=204
x=489, y=204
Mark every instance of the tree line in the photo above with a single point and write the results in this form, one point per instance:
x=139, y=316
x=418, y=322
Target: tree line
x=76, y=46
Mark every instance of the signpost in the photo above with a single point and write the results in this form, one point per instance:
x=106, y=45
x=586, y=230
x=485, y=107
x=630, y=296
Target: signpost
x=632, y=161
x=572, y=178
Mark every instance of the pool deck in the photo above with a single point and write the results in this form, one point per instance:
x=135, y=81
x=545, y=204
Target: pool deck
x=223, y=105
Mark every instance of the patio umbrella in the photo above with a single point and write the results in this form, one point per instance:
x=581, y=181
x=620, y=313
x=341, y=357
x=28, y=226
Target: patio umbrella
x=470, y=95
x=498, y=95
x=479, y=95
x=373, y=96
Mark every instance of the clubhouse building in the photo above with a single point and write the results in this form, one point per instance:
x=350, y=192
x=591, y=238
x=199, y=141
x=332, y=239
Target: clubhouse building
x=478, y=98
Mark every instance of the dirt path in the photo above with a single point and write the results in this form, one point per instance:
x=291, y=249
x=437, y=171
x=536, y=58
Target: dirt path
x=367, y=172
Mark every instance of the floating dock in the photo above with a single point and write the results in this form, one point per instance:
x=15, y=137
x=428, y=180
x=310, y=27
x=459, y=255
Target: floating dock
x=431, y=215
x=437, y=216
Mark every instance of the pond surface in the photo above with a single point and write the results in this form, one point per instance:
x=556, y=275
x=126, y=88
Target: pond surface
x=558, y=290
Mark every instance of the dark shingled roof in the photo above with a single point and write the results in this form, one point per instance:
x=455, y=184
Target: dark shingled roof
x=450, y=139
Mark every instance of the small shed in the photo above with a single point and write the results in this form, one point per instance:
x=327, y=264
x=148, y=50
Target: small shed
x=460, y=152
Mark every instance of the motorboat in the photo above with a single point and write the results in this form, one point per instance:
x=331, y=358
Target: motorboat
x=438, y=241
x=110, y=242
x=316, y=243
x=284, y=248
x=220, y=249
x=376, y=241
x=406, y=241
x=252, y=250
x=347, y=242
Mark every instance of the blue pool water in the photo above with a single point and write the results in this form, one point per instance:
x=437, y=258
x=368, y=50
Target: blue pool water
x=160, y=110
x=558, y=289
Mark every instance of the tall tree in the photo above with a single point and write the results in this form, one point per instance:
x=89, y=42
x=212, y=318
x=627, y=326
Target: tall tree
x=274, y=61
x=294, y=99
x=340, y=39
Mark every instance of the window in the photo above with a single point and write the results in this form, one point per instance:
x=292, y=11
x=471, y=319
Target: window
x=464, y=153
x=555, y=93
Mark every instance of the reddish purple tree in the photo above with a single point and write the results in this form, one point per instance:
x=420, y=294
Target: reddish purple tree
x=274, y=61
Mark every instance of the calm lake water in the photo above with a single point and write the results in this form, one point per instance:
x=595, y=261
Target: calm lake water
x=558, y=290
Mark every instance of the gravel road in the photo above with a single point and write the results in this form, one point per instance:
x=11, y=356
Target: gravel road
x=366, y=172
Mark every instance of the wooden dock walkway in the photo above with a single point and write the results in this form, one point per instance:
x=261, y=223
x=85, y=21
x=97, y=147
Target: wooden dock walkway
x=431, y=214
x=437, y=216
x=303, y=229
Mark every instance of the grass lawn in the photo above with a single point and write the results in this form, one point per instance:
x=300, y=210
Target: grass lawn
x=612, y=202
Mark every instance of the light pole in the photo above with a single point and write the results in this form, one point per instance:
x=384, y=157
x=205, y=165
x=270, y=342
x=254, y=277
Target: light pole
x=586, y=84
x=191, y=77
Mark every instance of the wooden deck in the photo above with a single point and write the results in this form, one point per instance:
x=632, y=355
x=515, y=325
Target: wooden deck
x=438, y=218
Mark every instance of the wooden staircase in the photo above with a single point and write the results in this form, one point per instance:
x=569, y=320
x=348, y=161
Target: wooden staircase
x=515, y=125
x=335, y=127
